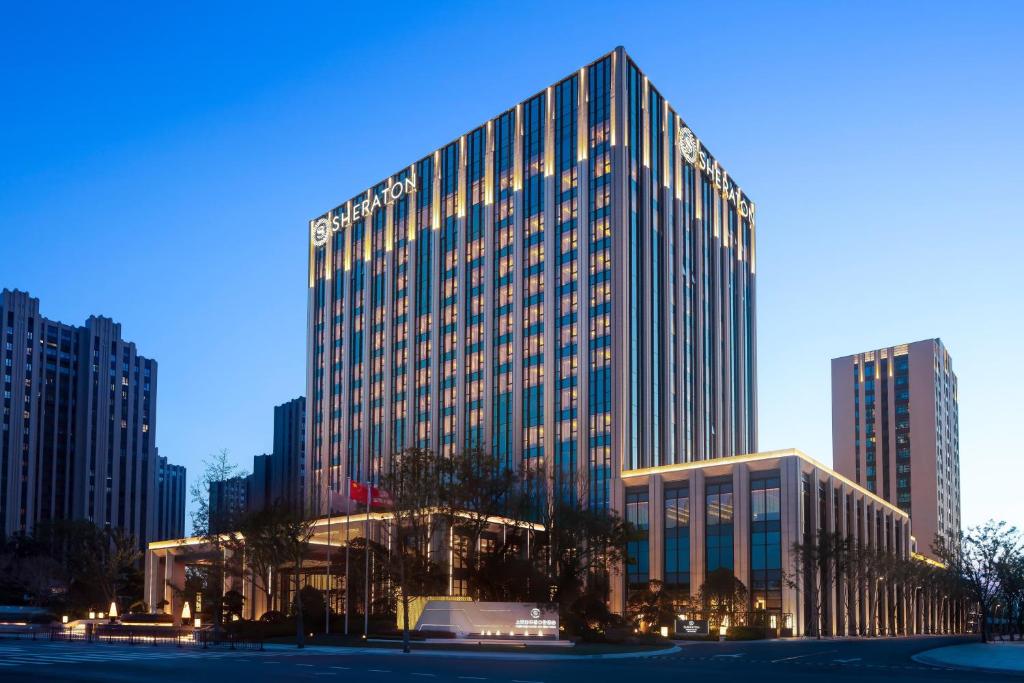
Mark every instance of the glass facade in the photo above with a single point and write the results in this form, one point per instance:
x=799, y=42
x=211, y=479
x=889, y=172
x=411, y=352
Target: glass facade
x=638, y=569
x=677, y=538
x=718, y=525
x=765, y=542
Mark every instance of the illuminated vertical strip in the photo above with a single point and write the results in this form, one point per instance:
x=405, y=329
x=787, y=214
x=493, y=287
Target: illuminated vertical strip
x=312, y=256
x=435, y=213
x=753, y=238
x=348, y=238
x=517, y=173
x=666, y=157
x=411, y=212
x=645, y=129
x=549, y=135
x=611, y=97
x=582, y=100
x=367, y=238
x=389, y=223
x=489, y=167
x=328, y=250
x=462, y=185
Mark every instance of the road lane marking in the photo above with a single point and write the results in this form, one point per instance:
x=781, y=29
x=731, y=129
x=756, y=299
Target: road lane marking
x=472, y=678
x=343, y=668
x=738, y=654
x=379, y=671
x=419, y=674
x=809, y=654
x=847, y=661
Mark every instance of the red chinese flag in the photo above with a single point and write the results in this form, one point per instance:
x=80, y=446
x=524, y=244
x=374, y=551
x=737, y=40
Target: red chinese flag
x=381, y=499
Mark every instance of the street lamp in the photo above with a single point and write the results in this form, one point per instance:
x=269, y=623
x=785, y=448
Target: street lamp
x=113, y=610
x=186, y=612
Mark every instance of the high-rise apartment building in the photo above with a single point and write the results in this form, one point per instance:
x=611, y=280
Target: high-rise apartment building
x=288, y=464
x=258, y=485
x=228, y=501
x=570, y=285
x=170, y=514
x=78, y=425
x=895, y=431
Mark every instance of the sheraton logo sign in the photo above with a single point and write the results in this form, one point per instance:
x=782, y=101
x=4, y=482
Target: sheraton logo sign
x=694, y=153
x=322, y=227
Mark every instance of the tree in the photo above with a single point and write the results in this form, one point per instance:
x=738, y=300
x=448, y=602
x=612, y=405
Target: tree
x=475, y=488
x=819, y=565
x=580, y=546
x=293, y=533
x=210, y=524
x=651, y=607
x=722, y=596
x=974, y=559
x=414, y=481
x=100, y=565
x=261, y=550
x=1010, y=570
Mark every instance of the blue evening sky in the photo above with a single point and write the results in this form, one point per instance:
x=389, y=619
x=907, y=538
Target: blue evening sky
x=159, y=163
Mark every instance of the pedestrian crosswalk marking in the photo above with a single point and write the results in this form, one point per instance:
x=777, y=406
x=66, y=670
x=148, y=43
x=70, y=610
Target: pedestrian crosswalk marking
x=47, y=654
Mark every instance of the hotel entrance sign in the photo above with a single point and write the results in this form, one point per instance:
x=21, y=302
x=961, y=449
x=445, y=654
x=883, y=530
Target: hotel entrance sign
x=691, y=627
x=395, y=189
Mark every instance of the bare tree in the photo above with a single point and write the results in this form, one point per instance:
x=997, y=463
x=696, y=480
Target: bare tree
x=414, y=481
x=293, y=534
x=476, y=487
x=974, y=559
x=209, y=524
x=819, y=565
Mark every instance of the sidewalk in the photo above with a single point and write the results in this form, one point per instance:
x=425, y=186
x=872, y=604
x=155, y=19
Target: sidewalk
x=997, y=657
x=463, y=654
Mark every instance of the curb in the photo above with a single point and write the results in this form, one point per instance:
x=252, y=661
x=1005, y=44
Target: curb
x=457, y=654
x=924, y=658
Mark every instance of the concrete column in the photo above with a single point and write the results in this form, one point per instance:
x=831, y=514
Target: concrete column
x=789, y=482
x=174, y=578
x=656, y=533
x=698, y=561
x=151, y=581
x=617, y=581
x=741, y=523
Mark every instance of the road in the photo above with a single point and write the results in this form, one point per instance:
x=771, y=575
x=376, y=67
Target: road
x=787, y=660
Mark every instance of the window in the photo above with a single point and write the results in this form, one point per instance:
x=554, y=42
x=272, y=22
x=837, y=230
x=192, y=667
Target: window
x=718, y=525
x=638, y=568
x=677, y=537
x=765, y=542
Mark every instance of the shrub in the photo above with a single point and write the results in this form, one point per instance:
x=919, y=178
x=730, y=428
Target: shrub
x=746, y=633
x=273, y=617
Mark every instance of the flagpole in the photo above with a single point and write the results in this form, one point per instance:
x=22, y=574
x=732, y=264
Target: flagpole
x=366, y=571
x=348, y=519
x=327, y=591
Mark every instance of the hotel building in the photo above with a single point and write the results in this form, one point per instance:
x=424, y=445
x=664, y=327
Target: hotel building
x=744, y=514
x=569, y=285
x=78, y=425
x=895, y=431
